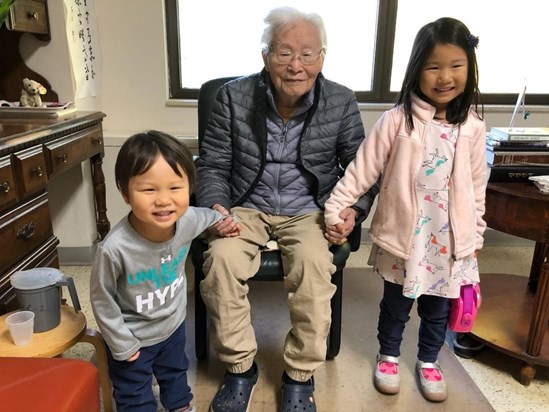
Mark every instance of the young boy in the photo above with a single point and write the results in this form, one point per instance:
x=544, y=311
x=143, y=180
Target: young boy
x=138, y=285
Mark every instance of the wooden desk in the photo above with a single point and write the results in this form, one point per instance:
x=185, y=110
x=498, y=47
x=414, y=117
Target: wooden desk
x=71, y=330
x=32, y=151
x=515, y=309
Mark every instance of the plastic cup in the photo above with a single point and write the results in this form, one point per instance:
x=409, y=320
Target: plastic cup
x=21, y=325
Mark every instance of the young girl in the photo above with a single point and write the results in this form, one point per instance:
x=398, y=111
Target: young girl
x=138, y=284
x=428, y=226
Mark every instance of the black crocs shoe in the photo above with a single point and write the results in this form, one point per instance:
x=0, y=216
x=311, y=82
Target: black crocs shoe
x=235, y=394
x=296, y=397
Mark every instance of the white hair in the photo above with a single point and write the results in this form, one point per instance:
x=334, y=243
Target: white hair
x=282, y=16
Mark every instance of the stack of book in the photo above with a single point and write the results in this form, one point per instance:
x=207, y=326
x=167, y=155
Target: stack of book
x=515, y=154
x=542, y=183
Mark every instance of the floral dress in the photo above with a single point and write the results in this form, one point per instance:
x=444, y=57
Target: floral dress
x=431, y=269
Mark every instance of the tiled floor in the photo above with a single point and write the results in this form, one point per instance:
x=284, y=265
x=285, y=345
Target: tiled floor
x=493, y=373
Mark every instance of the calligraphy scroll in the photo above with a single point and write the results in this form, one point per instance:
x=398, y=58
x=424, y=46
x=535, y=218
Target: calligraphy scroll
x=83, y=42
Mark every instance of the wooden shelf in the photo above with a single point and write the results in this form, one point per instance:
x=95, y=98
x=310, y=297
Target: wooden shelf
x=503, y=321
x=515, y=309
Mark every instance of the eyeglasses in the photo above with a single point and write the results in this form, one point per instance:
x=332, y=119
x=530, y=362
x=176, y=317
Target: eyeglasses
x=286, y=57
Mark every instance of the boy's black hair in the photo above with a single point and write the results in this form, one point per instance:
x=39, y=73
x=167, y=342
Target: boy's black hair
x=445, y=30
x=139, y=152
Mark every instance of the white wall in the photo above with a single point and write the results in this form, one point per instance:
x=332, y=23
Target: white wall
x=134, y=97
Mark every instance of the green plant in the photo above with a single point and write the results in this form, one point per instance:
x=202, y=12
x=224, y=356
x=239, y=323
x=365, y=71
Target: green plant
x=5, y=10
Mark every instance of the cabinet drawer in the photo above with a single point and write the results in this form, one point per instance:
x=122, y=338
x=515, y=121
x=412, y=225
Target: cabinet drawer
x=30, y=171
x=28, y=16
x=24, y=229
x=64, y=153
x=45, y=256
x=7, y=183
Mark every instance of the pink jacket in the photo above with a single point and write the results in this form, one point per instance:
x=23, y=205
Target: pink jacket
x=397, y=153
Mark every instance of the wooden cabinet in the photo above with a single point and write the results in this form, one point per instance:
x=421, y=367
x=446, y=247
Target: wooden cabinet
x=26, y=16
x=31, y=152
x=29, y=16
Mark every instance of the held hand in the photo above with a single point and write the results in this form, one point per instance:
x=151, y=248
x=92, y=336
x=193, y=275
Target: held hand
x=233, y=228
x=220, y=209
x=333, y=234
x=134, y=357
x=227, y=227
x=349, y=219
x=337, y=234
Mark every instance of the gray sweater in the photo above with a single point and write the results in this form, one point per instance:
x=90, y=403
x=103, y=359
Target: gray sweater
x=138, y=288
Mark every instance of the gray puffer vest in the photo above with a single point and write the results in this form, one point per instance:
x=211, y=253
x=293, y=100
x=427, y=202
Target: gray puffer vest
x=233, y=151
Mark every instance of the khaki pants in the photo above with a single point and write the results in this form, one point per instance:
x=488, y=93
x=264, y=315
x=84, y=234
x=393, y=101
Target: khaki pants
x=308, y=268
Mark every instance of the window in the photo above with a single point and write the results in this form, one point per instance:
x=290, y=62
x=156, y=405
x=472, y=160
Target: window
x=369, y=43
x=508, y=56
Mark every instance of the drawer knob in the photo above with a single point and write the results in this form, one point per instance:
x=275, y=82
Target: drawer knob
x=33, y=15
x=39, y=172
x=99, y=141
x=6, y=187
x=64, y=157
x=27, y=231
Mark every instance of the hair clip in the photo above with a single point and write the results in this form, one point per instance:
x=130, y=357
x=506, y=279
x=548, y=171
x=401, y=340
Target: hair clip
x=472, y=40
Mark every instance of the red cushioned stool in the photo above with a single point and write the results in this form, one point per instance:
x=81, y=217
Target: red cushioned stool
x=48, y=384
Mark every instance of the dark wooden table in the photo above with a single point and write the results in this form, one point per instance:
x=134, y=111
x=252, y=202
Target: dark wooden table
x=515, y=309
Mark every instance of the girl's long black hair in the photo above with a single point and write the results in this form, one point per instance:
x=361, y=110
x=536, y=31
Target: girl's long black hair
x=445, y=30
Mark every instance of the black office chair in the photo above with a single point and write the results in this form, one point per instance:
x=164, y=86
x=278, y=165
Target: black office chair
x=271, y=262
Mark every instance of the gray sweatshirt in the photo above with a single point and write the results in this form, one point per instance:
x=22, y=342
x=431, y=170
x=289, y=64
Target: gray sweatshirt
x=138, y=288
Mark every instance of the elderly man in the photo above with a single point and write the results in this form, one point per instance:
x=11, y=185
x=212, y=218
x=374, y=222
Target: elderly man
x=276, y=144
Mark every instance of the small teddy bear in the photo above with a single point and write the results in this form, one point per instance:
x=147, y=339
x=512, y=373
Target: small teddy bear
x=30, y=94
